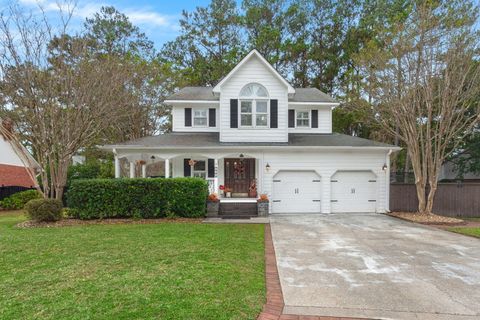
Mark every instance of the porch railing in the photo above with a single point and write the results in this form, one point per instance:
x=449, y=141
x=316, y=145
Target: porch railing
x=212, y=185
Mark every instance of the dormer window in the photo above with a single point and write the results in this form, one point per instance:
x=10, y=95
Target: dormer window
x=254, y=106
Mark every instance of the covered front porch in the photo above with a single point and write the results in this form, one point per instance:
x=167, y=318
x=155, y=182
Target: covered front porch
x=234, y=177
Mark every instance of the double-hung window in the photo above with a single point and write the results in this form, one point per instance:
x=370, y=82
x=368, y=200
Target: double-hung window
x=254, y=106
x=303, y=119
x=199, y=169
x=200, y=117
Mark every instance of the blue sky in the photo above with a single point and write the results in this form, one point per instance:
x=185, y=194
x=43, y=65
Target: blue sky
x=158, y=19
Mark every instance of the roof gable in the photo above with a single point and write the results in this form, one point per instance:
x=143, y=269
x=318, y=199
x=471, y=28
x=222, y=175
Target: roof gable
x=254, y=53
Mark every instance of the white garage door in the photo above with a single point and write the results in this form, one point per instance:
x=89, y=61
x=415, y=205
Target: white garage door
x=354, y=191
x=296, y=192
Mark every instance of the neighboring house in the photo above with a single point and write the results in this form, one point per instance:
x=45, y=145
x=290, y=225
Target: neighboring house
x=253, y=130
x=449, y=172
x=15, y=161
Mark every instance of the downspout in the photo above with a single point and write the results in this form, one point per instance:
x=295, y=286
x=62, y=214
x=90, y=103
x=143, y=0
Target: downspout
x=387, y=181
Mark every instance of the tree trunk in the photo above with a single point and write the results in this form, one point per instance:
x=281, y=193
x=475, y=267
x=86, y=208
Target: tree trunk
x=431, y=197
x=406, y=169
x=421, y=195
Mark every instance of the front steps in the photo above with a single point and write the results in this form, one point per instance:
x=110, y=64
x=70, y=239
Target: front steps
x=238, y=210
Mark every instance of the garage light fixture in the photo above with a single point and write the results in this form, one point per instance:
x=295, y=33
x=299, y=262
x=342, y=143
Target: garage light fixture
x=384, y=168
x=267, y=167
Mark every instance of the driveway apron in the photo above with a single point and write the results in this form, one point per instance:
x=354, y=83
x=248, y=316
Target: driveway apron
x=375, y=266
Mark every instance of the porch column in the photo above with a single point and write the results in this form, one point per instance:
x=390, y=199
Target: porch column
x=144, y=170
x=117, y=167
x=215, y=179
x=167, y=168
x=132, y=169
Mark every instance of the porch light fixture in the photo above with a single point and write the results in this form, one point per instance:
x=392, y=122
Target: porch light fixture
x=384, y=168
x=241, y=155
x=152, y=158
x=267, y=167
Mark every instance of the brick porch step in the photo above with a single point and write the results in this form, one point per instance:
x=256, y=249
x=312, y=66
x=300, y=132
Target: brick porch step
x=238, y=209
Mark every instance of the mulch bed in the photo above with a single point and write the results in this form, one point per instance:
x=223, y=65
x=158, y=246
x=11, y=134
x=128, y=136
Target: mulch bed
x=77, y=222
x=428, y=219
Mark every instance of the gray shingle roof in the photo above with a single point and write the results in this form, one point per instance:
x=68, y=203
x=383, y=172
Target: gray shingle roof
x=194, y=93
x=211, y=139
x=205, y=94
x=310, y=95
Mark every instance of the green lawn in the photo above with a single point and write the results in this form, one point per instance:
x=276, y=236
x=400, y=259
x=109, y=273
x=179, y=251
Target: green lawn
x=474, y=232
x=160, y=271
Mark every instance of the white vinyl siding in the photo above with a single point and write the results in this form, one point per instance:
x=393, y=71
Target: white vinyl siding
x=325, y=163
x=253, y=71
x=178, y=118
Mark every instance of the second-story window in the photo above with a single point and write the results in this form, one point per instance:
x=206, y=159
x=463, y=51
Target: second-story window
x=254, y=106
x=303, y=119
x=200, y=117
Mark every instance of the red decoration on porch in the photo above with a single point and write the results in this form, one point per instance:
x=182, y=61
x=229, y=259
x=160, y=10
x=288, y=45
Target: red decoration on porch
x=191, y=162
x=221, y=187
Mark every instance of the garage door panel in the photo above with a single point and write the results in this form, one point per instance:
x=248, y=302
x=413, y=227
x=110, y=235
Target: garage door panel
x=296, y=192
x=353, y=191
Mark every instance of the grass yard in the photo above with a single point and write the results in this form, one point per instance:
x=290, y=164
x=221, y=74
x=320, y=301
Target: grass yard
x=473, y=229
x=156, y=271
x=474, y=232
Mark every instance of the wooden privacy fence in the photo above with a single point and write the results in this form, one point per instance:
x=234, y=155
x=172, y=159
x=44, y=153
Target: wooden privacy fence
x=451, y=199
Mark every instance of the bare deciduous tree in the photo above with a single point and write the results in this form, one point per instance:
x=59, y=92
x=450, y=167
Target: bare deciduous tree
x=425, y=81
x=61, y=96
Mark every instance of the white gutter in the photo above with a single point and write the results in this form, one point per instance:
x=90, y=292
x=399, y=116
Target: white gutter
x=332, y=104
x=387, y=180
x=190, y=101
x=137, y=147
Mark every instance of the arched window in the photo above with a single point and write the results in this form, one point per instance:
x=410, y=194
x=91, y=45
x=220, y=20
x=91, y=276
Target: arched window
x=254, y=106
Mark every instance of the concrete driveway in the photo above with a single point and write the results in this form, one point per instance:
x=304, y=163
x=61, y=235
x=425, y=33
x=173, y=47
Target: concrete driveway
x=372, y=265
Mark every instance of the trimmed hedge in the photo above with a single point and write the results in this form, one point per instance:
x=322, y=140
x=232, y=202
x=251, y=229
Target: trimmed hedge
x=137, y=198
x=19, y=199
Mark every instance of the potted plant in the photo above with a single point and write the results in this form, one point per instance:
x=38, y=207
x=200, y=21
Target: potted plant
x=252, y=190
x=228, y=192
x=213, y=205
x=262, y=205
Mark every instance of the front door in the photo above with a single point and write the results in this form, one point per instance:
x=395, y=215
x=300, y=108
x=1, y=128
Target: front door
x=239, y=175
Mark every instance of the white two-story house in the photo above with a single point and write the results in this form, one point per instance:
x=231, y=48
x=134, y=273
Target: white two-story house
x=253, y=131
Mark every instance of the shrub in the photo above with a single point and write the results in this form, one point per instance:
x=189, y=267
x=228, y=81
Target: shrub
x=18, y=200
x=44, y=209
x=140, y=198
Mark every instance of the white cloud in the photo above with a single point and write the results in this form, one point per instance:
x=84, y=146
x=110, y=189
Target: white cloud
x=144, y=17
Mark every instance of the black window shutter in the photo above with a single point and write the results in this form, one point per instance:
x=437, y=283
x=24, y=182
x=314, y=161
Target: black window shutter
x=211, y=168
x=291, y=118
x=314, y=118
x=188, y=117
x=233, y=113
x=274, y=113
x=212, y=117
x=187, y=170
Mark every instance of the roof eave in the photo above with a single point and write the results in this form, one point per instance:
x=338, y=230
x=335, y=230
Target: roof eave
x=114, y=147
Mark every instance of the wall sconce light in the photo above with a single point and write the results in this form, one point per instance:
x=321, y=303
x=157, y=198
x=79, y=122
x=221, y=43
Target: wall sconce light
x=241, y=155
x=384, y=168
x=267, y=167
x=152, y=158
